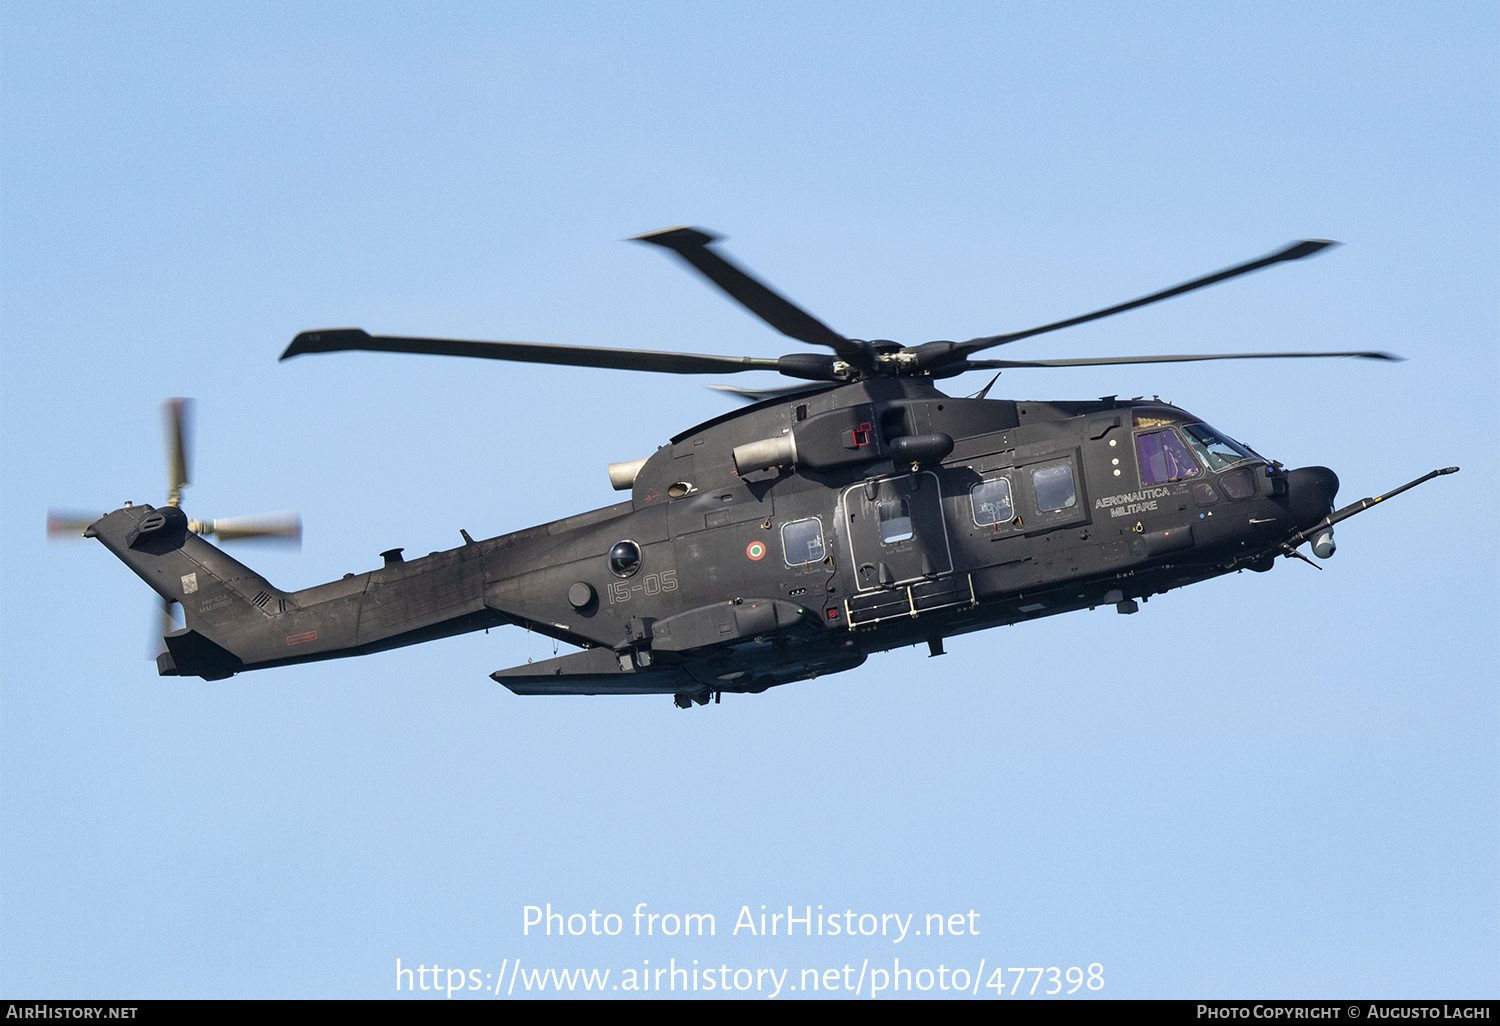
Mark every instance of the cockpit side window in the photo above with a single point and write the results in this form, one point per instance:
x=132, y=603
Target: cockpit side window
x=1164, y=458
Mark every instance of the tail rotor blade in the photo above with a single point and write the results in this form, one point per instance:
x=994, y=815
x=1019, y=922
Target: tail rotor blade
x=284, y=526
x=68, y=524
x=166, y=623
x=175, y=412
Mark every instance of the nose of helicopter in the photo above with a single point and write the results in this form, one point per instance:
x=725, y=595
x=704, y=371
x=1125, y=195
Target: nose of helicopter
x=1310, y=492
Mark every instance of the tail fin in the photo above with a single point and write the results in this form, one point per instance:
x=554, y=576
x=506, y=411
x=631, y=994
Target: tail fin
x=223, y=601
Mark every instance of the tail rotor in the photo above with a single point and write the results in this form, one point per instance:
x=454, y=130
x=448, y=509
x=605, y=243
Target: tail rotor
x=284, y=527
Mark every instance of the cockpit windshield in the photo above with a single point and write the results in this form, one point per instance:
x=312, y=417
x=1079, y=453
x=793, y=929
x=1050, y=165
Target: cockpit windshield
x=1217, y=451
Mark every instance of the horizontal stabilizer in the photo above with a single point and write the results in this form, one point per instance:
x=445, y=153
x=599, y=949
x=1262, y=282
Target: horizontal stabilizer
x=190, y=654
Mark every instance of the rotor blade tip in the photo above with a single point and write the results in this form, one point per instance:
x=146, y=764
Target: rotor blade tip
x=326, y=340
x=305, y=342
x=677, y=237
x=1306, y=248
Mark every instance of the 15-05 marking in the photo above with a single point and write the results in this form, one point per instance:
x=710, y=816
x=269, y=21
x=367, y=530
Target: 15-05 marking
x=651, y=584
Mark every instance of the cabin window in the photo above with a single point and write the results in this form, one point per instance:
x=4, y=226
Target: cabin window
x=895, y=519
x=1054, y=488
x=992, y=502
x=802, y=541
x=1164, y=458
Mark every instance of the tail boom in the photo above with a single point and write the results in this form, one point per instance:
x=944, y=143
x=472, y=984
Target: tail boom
x=237, y=620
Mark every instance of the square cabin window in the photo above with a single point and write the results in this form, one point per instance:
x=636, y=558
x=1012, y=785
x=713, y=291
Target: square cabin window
x=895, y=520
x=802, y=541
x=992, y=502
x=1054, y=488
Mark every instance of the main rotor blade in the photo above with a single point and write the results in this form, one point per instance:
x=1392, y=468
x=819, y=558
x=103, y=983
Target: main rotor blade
x=1183, y=358
x=756, y=395
x=175, y=412
x=776, y=310
x=336, y=340
x=1294, y=251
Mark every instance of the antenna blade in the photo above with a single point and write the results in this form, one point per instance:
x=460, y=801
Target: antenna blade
x=692, y=244
x=337, y=340
x=1292, y=251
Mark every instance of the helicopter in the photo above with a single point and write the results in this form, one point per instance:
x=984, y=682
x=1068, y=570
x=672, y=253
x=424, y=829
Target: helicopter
x=857, y=511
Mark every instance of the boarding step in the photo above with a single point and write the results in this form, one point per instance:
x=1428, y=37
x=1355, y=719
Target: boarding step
x=911, y=601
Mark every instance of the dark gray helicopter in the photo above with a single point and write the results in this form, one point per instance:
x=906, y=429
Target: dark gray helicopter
x=860, y=512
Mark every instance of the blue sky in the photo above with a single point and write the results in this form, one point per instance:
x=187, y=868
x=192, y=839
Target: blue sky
x=1266, y=785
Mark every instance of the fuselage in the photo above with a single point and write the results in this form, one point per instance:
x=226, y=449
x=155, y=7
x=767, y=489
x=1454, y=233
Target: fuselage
x=797, y=536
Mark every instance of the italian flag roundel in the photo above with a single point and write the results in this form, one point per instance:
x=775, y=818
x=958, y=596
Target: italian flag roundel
x=755, y=550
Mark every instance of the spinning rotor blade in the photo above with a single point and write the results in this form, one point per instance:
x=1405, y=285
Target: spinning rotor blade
x=166, y=624
x=68, y=524
x=1294, y=251
x=755, y=395
x=284, y=526
x=1184, y=358
x=776, y=310
x=335, y=340
x=175, y=413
